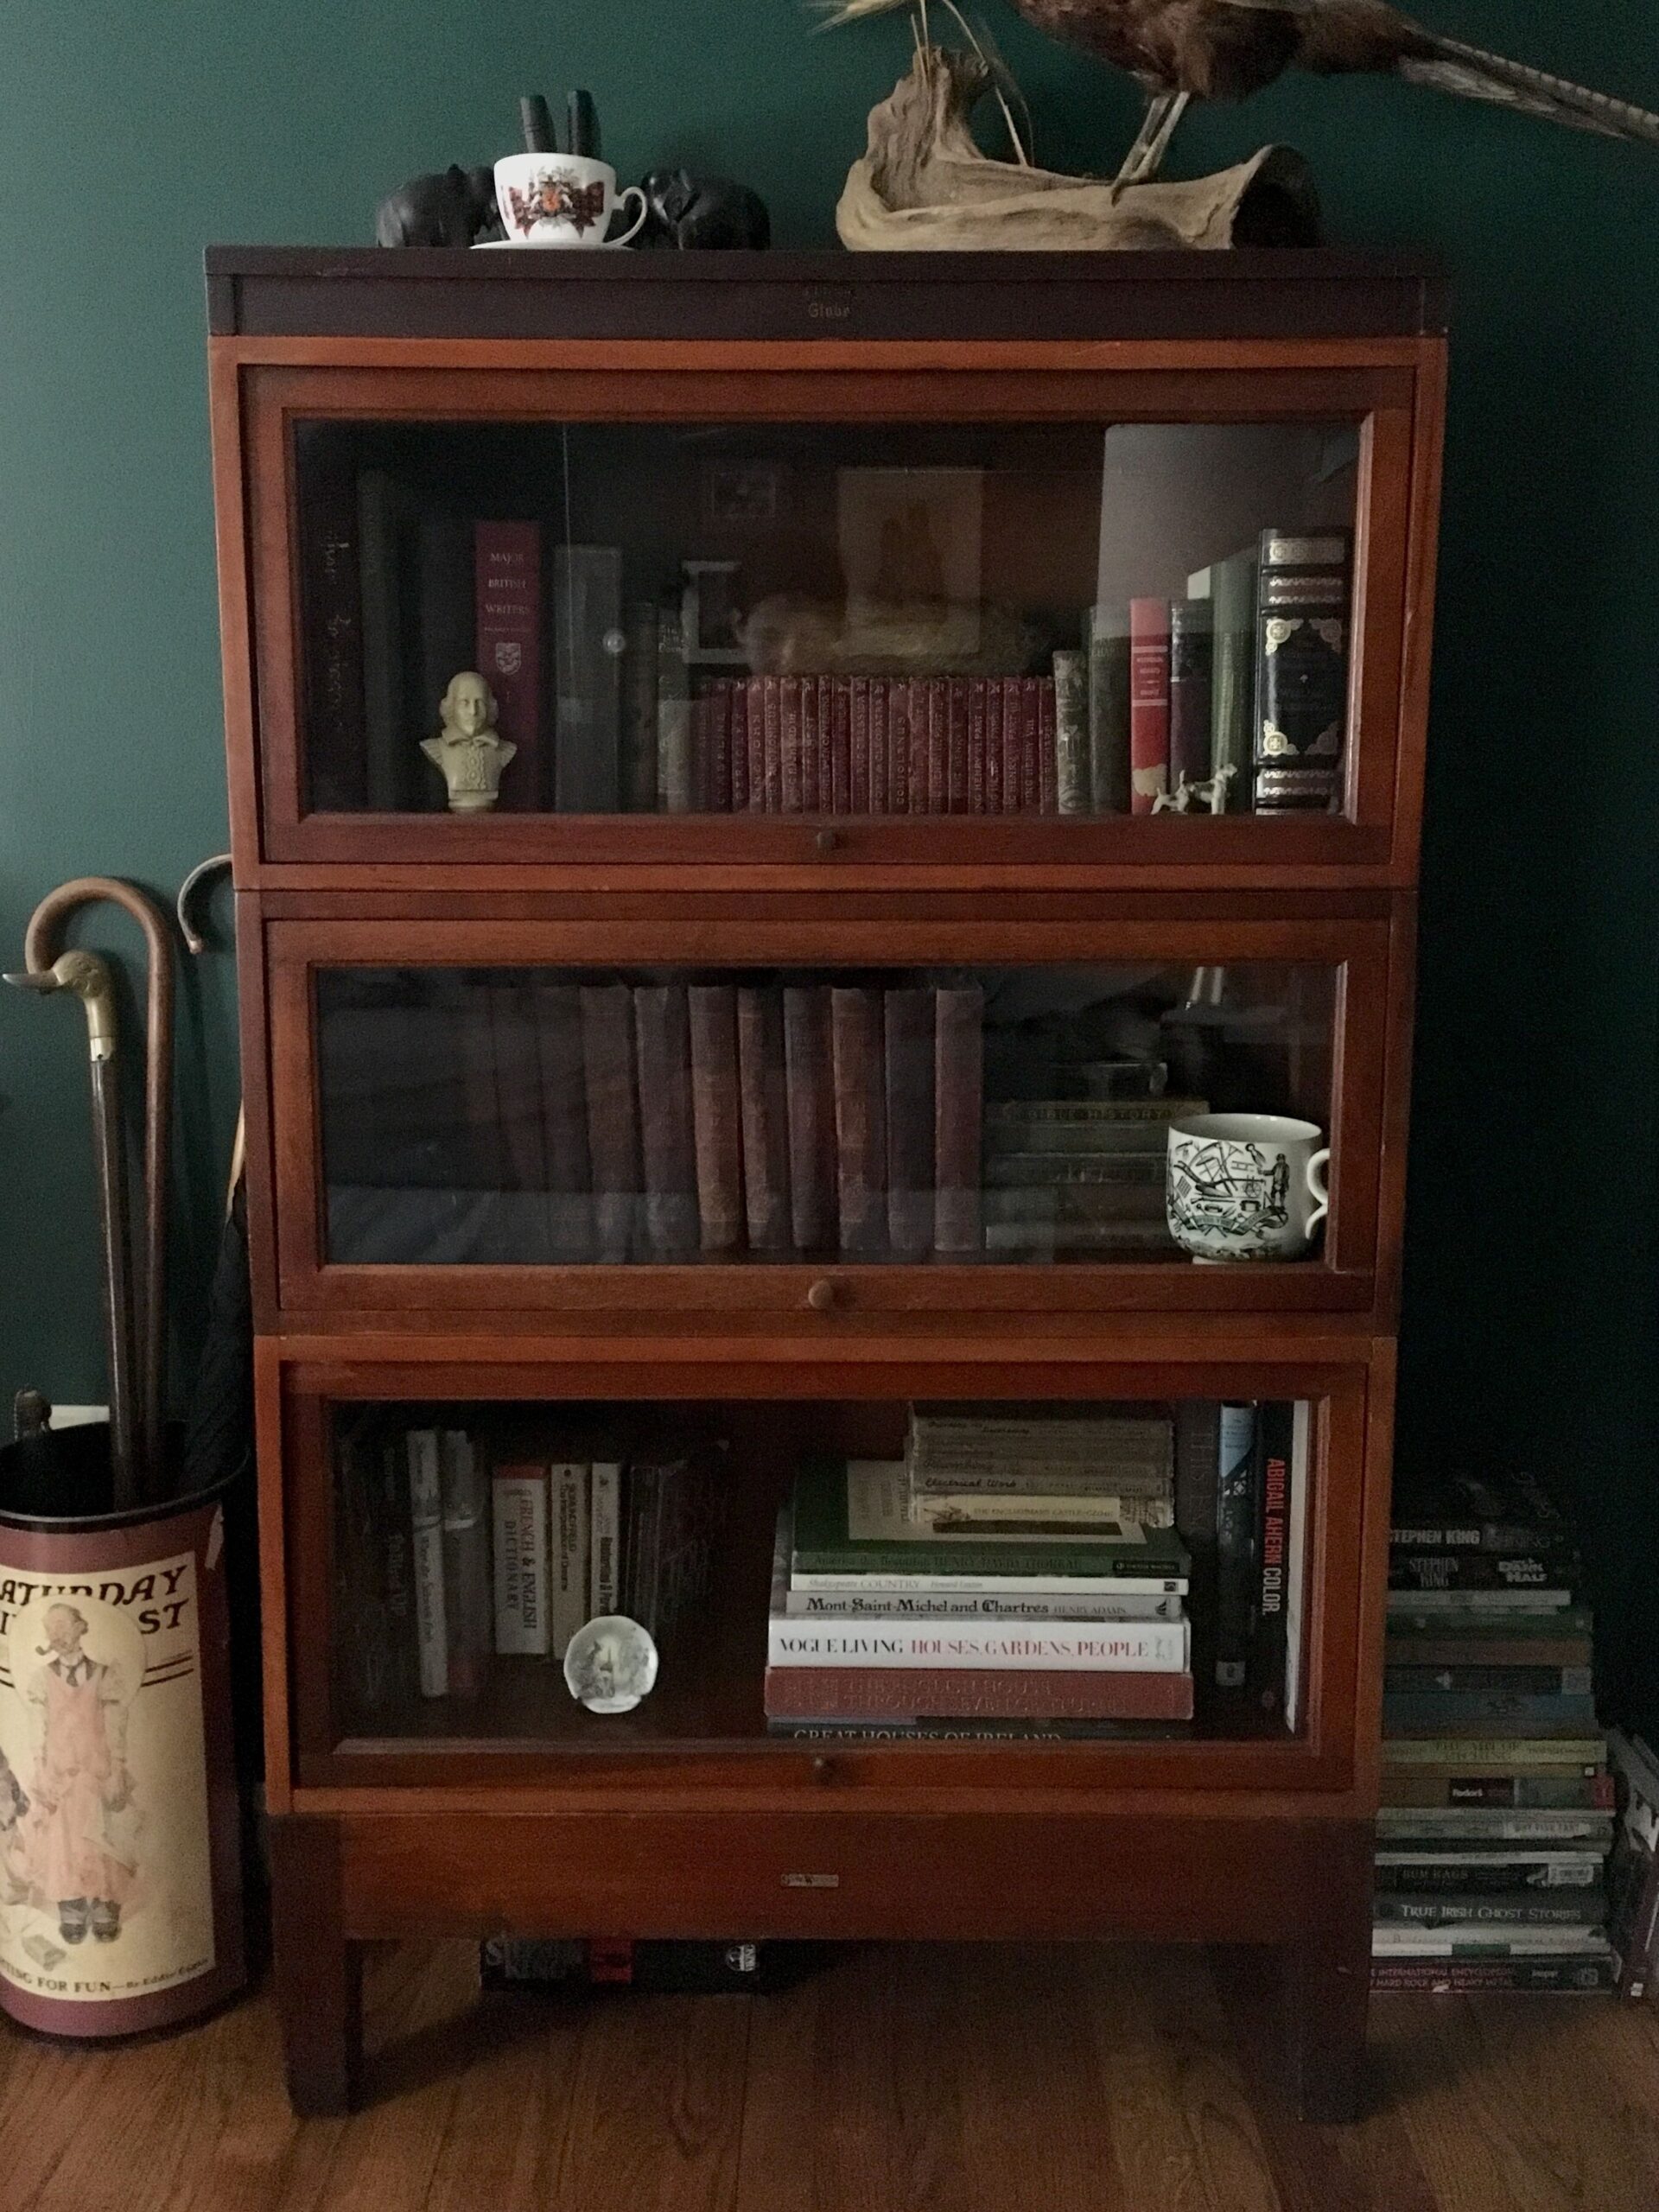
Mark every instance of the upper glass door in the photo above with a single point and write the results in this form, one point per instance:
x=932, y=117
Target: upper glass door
x=1042, y=618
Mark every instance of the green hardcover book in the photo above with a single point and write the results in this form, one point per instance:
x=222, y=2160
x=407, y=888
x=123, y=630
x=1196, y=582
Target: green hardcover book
x=853, y=1516
x=1232, y=689
x=1503, y=1754
x=1106, y=641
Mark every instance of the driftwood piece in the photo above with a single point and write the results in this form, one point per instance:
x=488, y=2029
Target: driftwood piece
x=924, y=185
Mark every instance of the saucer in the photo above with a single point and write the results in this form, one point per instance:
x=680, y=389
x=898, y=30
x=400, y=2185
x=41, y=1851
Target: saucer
x=528, y=245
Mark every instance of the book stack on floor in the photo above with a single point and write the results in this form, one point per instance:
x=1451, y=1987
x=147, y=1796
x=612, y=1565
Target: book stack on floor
x=1497, y=1803
x=451, y=1557
x=1018, y=1573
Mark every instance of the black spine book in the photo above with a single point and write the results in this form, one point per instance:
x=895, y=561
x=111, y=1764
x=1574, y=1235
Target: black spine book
x=1270, y=1490
x=1301, y=683
x=1236, y=1527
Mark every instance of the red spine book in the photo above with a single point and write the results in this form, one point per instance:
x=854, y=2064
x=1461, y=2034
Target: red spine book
x=826, y=745
x=764, y=1115
x=717, y=797
x=898, y=745
x=957, y=744
x=612, y=1116
x=972, y=1692
x=1013, y=770
x=788, y=715
x=1148, y=702
x=507, y=573
x=917, y=692
x=668, y=1152
x=859, y=801
x=881, y=690
x=860, y=1117
x=908, y=1015
x=810, y=802
x=938, y=745
x=1048, y=758
x=1031, y=739
x=756, y=722
x=772, y=753
x=716, y=1121
x=739, y=745
x=993, y=746
x=809, y=1085
x=978, y=747
x=841, y=745
x=958, y=1112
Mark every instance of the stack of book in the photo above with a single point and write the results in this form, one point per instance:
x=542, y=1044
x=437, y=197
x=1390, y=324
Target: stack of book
x=1497, y=1803
x=1018, y=1573
x=450, y=1557
x=1079, y=1174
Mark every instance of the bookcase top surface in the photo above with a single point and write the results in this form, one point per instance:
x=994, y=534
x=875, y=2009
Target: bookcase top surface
x=374, y=292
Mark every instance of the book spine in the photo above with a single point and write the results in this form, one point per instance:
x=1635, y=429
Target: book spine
x=571, y=1561
x=763, y=1115
x=740, y=745
x=755, y=721
x=1559, y=1565
x=1232, y=694
x=586, y=630
x=1474, y=1977
x=507, y=558
x=673, y=715
x=995, y=796
x=1415, y=1680
x=956, y=744
x=564, y=1119
x=916, y=710
x=606, y=1538
x=1235, y=1526
x=392, y=1522
x=1438, y=1714
x=667, y=1146
x=1197, y=1458
x=958, y=1093
x=518, y=1502
x=1148, y=702
x=1107, y=642
x=792, y=741
x=466, y=1563
x=1571, y=1910
x=810, y=1087
x=426, y=1523
x=1271, y=1487
x=772, y=744
x=716, y=1117
x=1487, y=1873
x=976, y=802
x=1301, y=679
x=1505, y=1754
x=897, y=690
x=1191, y=656
x=811, y=745
x=859, y=797
x=1154, y=1647
x=330, y=594
x=840, y=800
x=938, y=745
x=1013, y=744
x=1073, y=782
x=1048, y=770
x=860, y=1134
x=880, y=686
x=640, y=720
x=953, y=1692
x=612, y=1116
x=966, y=1606
x=717, y=792
x=1587, y=1793
x=910, y=1116
x=1498, y=1653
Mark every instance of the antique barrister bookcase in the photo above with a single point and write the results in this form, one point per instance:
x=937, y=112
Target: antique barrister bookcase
x=931, y=465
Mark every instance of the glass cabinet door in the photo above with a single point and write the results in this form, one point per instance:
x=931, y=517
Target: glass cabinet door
x=1001, y=1121
x=909, y=626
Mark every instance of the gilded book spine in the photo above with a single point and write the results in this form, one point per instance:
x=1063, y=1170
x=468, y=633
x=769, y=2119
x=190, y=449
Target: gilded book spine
x=1301, y=685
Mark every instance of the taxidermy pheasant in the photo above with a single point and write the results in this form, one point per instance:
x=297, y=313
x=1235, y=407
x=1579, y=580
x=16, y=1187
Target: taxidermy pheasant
x=1183, y=50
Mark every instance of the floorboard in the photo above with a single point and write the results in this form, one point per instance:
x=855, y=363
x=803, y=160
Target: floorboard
x=942, y=2079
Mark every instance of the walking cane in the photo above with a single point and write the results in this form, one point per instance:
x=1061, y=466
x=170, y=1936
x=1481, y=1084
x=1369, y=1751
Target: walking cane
x=136, y=1379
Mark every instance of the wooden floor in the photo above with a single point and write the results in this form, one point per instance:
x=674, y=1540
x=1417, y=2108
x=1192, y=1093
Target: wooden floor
x=894, y=2081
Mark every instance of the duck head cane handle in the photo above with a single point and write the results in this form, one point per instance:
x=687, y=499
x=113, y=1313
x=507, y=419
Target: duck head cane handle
x=39, y=952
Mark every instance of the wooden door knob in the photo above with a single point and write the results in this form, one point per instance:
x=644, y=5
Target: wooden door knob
x=822, y=1296
x=826, y=839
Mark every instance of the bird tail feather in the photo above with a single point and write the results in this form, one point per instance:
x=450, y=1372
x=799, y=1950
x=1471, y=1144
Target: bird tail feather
x=1450, y=66
x=831, y=13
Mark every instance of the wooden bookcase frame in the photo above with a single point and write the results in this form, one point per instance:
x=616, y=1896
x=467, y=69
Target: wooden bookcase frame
x=1244, y=1839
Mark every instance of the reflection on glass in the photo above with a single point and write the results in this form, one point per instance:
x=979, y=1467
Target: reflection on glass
x=537, y=1116
x=861, y=619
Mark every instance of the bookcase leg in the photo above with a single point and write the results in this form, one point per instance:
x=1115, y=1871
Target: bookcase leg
x=1328, y=1977
x=318, y=1973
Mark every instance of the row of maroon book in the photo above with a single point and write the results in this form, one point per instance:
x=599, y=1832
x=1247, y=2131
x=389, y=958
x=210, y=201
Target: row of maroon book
x=879, y=744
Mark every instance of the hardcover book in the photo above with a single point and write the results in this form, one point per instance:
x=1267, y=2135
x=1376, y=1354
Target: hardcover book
x=662, y=1026
x=426, y=1521
x=467, y=1606
x=1301, y=680
x=612, y=1116
x=1191, y=651
x=764, y=1117
x=715, y=1116
x=858, y=1055
x=810, y=1086
x=508, y=618
x=521, y=1554
x=1148, y=702
x=910, y=1055
x=1106, y=640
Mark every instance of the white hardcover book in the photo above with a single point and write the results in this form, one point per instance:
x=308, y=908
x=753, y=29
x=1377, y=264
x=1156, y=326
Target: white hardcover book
x=605, y=1574
x=426, y=1519
x=1073, y=1647
x=519, y=1519
x=570, y=1552
x=1301, y=1446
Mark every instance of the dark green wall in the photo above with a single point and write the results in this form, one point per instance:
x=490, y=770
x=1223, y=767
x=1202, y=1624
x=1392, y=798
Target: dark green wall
x=130, y=134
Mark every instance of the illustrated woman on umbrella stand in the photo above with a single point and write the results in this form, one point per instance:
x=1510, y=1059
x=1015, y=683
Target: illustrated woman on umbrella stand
x=79, y=1831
